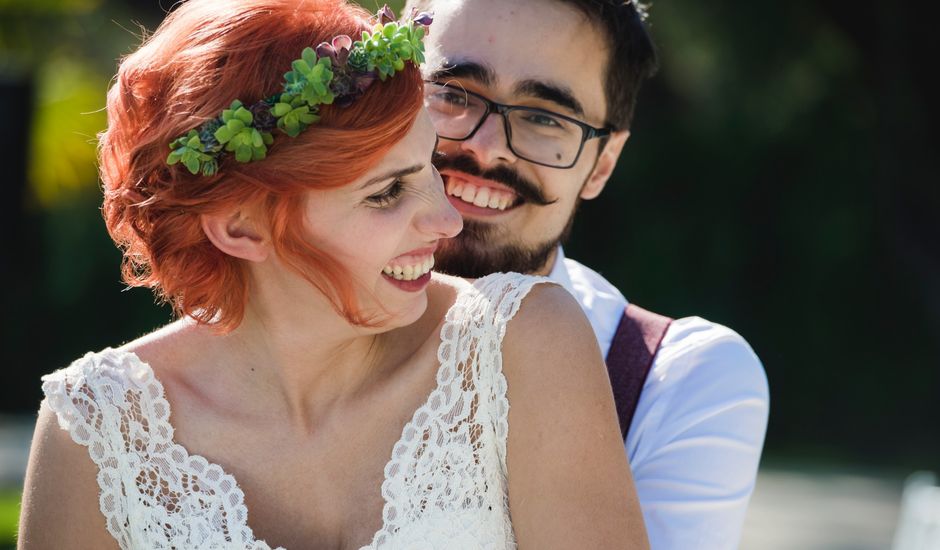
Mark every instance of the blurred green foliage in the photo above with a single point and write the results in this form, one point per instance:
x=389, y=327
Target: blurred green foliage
x=9, y=518
x=778, y=180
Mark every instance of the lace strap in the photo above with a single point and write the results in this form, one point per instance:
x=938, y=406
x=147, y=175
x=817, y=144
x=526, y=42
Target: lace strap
x=502, y=294
x=89, y=400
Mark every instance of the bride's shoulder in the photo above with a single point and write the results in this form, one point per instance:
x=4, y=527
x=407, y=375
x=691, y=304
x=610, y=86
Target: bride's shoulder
x=125, y=363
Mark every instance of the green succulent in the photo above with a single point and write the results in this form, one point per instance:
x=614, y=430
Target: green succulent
x=358, y=60
x=310, y=78
x=390, y=46
x=238, y=136
x=306, y=86
x=293, y=114
x=190, y=151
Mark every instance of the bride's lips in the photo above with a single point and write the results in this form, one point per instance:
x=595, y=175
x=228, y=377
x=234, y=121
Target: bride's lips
x=410, y=271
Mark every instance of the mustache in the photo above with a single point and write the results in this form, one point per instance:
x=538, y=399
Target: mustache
x=502, y=174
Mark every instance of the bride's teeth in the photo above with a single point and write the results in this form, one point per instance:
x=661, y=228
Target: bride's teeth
x=410, y=272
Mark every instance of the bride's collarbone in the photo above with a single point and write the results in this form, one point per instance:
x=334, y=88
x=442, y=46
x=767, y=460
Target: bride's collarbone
x=308, y=489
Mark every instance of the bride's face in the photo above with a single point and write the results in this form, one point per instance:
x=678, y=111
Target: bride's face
x=385, y=227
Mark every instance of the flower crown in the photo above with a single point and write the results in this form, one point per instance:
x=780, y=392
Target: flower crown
x=335, y=72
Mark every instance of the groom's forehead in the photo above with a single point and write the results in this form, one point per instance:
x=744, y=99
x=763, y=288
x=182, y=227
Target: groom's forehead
x=511, y=45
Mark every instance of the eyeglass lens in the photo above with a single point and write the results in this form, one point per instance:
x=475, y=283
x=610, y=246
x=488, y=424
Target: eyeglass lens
x=535, y=134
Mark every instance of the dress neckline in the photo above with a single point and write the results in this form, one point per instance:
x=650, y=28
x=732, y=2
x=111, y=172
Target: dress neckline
x=242, y=524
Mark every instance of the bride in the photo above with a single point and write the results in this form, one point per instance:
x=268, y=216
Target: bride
x=322, y=388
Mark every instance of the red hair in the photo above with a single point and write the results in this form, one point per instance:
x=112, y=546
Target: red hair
x=206, y=54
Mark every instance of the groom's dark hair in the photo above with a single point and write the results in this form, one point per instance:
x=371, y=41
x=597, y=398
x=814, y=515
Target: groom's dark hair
x=632, y=53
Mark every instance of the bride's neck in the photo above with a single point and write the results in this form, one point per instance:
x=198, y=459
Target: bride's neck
x=302, y=363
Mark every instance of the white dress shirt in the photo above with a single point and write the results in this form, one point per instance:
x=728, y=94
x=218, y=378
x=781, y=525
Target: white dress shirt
x=696, y=437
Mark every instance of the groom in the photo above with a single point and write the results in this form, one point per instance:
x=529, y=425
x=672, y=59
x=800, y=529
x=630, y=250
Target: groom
x=533, y=101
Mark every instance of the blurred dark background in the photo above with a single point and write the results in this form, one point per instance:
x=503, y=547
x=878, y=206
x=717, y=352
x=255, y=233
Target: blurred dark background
x=780, y=180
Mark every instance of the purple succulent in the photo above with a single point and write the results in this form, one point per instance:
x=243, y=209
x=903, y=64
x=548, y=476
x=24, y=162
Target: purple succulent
x=386, y=15
x=341, y=45
x=364, y=80
x=338, y=51
x=262, y=119
x=424, y=18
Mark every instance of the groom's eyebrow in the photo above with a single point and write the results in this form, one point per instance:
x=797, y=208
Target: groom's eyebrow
x=548, y=91
x=486, y=76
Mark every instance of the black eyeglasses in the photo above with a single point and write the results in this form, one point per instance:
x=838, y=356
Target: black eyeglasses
x=536, y=135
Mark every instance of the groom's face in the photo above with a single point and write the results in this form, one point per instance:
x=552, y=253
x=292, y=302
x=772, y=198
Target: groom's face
x=535, y=53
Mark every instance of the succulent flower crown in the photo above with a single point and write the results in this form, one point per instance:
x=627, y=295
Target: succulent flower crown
x=336, y=72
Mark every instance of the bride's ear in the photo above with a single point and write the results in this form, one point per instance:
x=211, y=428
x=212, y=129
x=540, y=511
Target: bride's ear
x=237, y=235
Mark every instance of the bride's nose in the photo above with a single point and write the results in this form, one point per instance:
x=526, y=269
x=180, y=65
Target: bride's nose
x=439, y=218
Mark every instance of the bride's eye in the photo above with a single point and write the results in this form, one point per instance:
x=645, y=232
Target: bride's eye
x=388, y=196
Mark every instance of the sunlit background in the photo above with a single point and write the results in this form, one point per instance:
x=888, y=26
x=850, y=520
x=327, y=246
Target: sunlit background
x=780, y=180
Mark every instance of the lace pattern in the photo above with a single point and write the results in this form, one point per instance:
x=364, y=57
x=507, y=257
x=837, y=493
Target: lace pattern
x=445, y=483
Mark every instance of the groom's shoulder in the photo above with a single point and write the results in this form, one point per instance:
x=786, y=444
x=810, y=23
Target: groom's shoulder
x=693, y=349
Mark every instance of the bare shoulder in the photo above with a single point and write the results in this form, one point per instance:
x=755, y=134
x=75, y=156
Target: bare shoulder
x=549, y=323
x=169, y=345
x=60, y=495
x=569, y=480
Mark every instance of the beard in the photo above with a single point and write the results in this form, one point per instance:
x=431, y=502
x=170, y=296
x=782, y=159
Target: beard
x=473, y=253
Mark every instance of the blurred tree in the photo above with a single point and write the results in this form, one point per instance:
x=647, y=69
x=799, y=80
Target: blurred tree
x=779, y=180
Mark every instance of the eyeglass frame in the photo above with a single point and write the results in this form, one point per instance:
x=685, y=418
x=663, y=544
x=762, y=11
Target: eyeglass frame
x=588, y=132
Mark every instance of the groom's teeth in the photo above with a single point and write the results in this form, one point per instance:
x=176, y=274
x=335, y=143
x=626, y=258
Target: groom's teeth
x=483, y=197
x=469, y=193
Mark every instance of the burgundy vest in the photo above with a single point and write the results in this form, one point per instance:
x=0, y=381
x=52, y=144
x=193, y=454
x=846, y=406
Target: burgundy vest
x=630, y=357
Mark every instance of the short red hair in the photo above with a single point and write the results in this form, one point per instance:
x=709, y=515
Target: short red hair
x=206, y=54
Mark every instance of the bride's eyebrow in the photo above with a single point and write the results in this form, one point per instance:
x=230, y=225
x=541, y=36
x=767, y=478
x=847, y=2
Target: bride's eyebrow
x=399, y=173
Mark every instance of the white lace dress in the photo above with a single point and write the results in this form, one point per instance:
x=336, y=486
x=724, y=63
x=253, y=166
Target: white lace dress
x=445, y=483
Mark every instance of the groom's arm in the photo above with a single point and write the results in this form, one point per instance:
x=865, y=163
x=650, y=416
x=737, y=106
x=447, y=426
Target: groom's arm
x=696, y=438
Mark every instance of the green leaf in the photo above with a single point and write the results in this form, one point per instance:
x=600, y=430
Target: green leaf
x=243, y=153
x=292, y=126
x=280, y=109
x=192, y=164
x=235, y=125
x=300, y=66
x=389, y=29
x=419, y=33
x=224, y=134
x=309, y=55
x=174, y=157
x=244, y=115
x=256, y=139
x=308, y=118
